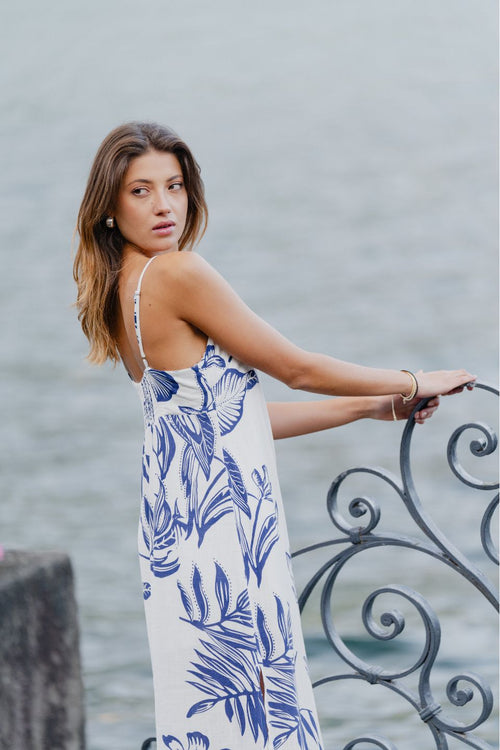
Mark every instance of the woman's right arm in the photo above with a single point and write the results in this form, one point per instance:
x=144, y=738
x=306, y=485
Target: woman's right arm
x=200, y=296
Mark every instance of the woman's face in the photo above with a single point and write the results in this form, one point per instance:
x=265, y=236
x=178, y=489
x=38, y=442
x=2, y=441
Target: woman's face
x=152, y=203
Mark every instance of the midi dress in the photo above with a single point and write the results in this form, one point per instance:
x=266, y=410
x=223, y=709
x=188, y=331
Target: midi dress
x=227, y=651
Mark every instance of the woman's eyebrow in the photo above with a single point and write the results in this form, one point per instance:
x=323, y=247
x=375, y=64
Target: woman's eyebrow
x=150, y=182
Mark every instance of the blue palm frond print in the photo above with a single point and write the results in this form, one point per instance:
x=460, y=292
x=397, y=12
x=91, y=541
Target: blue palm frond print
x=226, y=670
x=230, y=677
x=195, y=741
x=160, y=529
x=285, y=712
x=233, y=625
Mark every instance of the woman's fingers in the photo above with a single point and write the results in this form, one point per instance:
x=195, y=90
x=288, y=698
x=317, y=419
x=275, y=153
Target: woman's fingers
x=426, y=413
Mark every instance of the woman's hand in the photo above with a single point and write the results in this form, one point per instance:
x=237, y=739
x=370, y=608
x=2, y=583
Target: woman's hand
x=383, y=408
x=443, y=382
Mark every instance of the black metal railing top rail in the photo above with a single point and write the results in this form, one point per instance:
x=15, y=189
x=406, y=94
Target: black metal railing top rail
x=359, y=533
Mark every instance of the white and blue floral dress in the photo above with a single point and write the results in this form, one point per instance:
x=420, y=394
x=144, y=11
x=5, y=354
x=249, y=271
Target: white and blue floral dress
x=220, y=603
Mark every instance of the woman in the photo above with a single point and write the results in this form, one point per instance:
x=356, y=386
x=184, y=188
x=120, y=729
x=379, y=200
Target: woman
x=223, y=623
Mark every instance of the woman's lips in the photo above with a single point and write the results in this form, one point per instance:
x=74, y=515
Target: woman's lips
x=164, y=228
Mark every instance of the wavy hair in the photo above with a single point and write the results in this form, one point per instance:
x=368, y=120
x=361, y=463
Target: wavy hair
x=98, y=258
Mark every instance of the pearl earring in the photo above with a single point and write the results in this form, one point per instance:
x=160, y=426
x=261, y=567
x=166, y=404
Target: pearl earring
x=110, y=222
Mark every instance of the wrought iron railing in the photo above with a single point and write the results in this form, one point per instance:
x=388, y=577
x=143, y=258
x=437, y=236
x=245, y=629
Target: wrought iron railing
x=414, y=682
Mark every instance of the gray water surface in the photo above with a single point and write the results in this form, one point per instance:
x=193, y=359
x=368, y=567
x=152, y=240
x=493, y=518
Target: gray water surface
x=349, y=154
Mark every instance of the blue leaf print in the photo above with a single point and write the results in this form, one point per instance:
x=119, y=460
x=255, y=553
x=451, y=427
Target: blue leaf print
x=186, y=601
x=197, y=431
x=265, y=635
x=172, y=743
x=243, y=602
x=285, y=624
x=263, y=483
x=201, y=598
x=233, y=626
x=206, y=391
x=265, y=533
x=235, y=678
x=229, y=393
x=147, y=524
x=189, y=470
x=196, y=741
x=160, y=536
x=213, y=511
x=213, y=678
x=285, y=712
x=211, y=358
x=163, y=385
x=240, y=715
x=267, y=537
x=236, y=485
x=256, y=717
x=309, y=723
x=145, y=466
x=215, y=503
x=221, y=589
x=146, y=590
x=252, y=379
x=164, y=447
x=304, y=725
x=200, y=707
x=226, y=667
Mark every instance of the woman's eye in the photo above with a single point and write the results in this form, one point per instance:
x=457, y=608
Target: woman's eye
x=176, y=186
x=139, y=191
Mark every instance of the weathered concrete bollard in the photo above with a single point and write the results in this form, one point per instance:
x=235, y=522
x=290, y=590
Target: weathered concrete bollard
x=41, y=693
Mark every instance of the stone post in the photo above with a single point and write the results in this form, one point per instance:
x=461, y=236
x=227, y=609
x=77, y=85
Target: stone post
x=41, y=694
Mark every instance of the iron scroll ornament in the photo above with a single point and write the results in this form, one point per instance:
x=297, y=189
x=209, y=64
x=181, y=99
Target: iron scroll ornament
x=463, y=688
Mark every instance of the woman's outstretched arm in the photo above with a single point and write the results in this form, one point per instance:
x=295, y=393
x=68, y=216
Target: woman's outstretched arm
x=289, y=419
x=200, y=296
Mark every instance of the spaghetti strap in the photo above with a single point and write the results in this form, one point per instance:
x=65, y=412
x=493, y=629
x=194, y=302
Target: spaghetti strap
x=137, y=324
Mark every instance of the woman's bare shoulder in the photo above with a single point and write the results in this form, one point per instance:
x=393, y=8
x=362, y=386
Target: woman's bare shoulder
x=184, y=269
x=180, y=266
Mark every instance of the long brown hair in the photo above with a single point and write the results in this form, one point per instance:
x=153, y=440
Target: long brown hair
x=99, y=255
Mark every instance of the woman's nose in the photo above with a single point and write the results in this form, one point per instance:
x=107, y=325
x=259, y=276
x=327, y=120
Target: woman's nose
x=161, y=203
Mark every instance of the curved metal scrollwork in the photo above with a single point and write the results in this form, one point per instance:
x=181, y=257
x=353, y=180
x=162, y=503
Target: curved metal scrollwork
x=359, y=533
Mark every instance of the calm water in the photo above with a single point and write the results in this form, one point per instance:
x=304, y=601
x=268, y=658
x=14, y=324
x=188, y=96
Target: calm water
x=349, y=155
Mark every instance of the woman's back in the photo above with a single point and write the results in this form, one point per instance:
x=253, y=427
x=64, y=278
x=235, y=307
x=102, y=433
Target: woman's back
x=170, y=343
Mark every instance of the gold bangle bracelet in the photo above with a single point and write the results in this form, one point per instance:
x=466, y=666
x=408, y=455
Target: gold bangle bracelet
x=414, y=387
x=393, y=410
